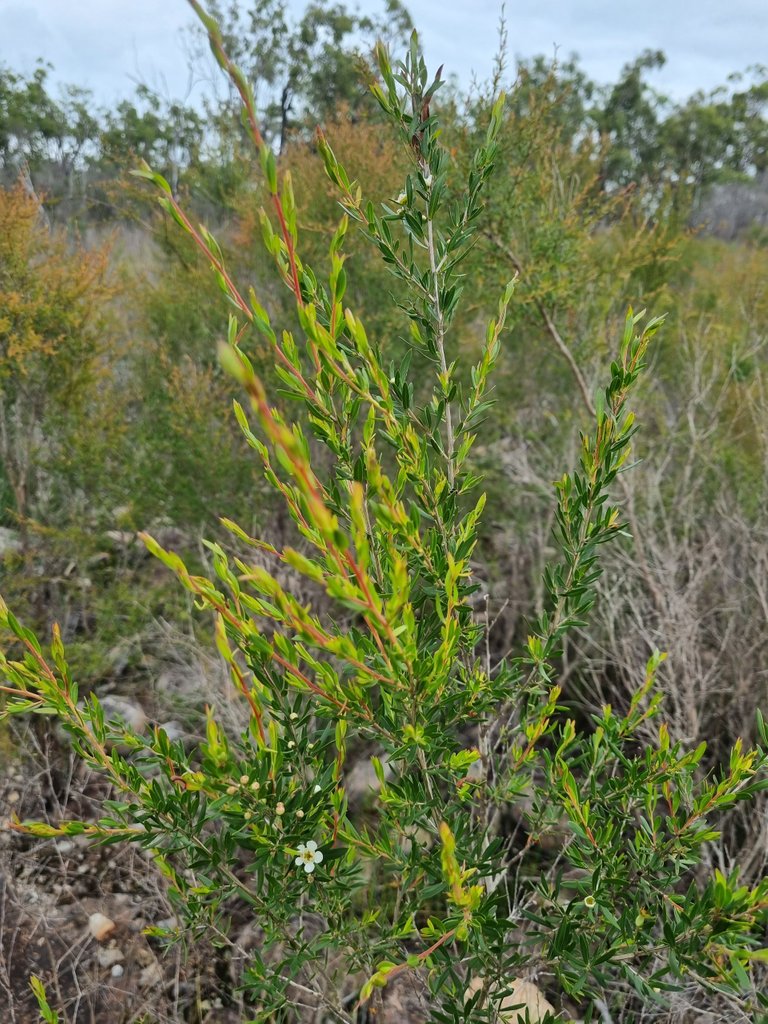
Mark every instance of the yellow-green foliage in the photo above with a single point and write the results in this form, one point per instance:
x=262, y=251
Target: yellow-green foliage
x=711, y=367
x=54, y=340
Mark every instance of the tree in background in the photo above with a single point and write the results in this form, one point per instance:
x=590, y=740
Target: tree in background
x=51, y=140
x=169, y=134
x=304, y=72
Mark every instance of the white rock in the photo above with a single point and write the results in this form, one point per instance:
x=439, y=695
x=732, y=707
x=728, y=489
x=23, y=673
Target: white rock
x=109, y=956
x=151, y=975
x=117, y=971
x=173, y=730
x=100, y=926
x=524, y=996
x=122, y=538
x=128, y=713
x=361, y=781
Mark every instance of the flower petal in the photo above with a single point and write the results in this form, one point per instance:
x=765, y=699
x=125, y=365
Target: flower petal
x=299, y=861
x=311, y=846
x=318, y=856
x=309, y=867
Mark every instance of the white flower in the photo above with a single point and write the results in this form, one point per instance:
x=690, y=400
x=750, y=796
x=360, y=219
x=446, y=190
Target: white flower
x=309, y=855
x=402, y=199
x=428, y=180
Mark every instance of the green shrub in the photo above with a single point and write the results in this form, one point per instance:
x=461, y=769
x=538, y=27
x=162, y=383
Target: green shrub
x=364, y=634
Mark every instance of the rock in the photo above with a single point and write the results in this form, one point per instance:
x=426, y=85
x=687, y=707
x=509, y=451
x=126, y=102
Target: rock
x=404, y=1000
x=122, y=538
x=100, y=926
x=117, y=971
x=120, y=656
x=415, y=836
x=170, y=537
x=128, y=713
x=100, y=558
x=174, y=730
x=525, y=1004
x=361, y=783
x=151, y=976
x=109, y=956
x=533, y=1001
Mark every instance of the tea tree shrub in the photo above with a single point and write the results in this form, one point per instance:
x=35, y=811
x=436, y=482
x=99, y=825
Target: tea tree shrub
x=592, y=892
x=54, y=330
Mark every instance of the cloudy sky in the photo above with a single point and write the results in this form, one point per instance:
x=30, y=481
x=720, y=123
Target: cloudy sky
x=107, y=45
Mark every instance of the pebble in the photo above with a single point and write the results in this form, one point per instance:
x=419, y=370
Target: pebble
x=151, y=976
x=125, y=712
x=173, y=730
x=109, y=956
x=100, y=926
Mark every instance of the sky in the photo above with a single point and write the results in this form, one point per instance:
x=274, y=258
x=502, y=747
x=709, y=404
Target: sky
x=109, y=45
